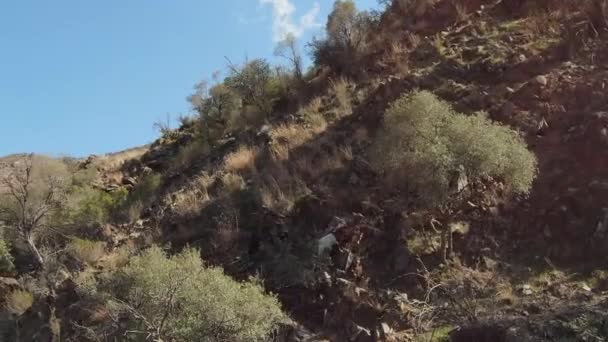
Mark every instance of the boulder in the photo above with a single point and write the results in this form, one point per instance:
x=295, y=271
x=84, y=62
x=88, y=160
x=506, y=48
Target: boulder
x=541, y=80
x=326, y=244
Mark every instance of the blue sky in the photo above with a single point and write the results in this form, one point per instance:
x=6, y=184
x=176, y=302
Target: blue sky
x=88, y=77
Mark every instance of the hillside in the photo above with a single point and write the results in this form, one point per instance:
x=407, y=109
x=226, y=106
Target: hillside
x=439, y=174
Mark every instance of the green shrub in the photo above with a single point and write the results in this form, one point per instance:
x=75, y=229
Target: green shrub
x=254, y=83
x=142, y=196
x=424, y=144
x=178, y=298
x=88, y=205
x=7, y=265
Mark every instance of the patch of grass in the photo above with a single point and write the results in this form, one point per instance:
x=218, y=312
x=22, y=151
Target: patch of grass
x=18, y=302
x=340, y=90
x=194, y=197
x=439, y=45
x=312, y=115
x=505, y=294
x=86, y=283
x=286, y=137
x=87, y=205
x=87, y=251
x=189, y=153
x=233, y=182
x=242, y=160
x=116, y=259
x=440, y=334
x=280, y=190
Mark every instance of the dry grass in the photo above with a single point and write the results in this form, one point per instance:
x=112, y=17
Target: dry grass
x=233, y=182
x=346, y=153
x=312, y=115
x=273, y=197
x=242, y=160
x=117, y=258
x=461, y=11
x=188, y=154
x=113, y=161
x=505, y=294
x=190, y=201
x=340, y=90
x=86, y=283
x=413, y=40
x=18, y=302
x=87, y=251
x=286, y=137
x=279, y=189
x=314, y=165
x=398, y=57
x=543, y=23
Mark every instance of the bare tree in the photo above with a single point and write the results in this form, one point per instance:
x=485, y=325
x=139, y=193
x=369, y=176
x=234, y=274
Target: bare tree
x=30, y=193
x=288, y=49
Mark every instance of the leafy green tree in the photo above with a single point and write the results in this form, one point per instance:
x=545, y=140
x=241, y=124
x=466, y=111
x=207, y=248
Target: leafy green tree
x=425, y=146
x=254, y=83
x=177, y=298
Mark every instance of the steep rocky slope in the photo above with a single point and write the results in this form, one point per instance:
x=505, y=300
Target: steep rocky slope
x=266, y=200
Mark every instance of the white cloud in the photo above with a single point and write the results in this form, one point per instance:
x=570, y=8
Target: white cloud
x=284, y=23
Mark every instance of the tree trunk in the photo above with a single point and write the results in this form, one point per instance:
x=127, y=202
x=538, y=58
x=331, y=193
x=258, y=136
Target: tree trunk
x=444, y=244
x=450, y=242
x=447, y=243
x=35, y=251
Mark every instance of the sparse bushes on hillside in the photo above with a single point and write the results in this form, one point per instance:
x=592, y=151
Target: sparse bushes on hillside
x=425, y=144
x=178, y=298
